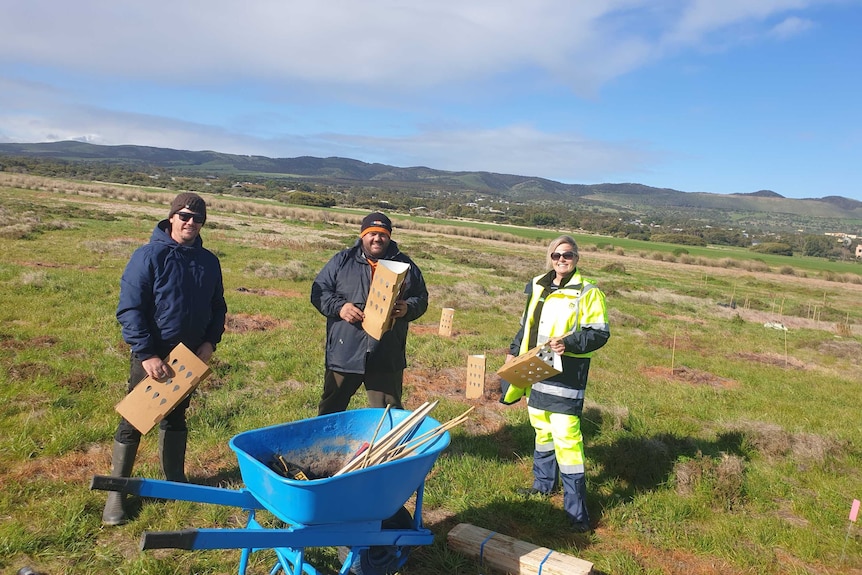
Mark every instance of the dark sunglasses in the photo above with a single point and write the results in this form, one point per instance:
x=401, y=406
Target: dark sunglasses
x=186, y=216
x=565, y=255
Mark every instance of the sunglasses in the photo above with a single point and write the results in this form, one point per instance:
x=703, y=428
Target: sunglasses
x=186, y=216
x=565, y=255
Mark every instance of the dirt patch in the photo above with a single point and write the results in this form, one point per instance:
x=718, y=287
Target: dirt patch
x=269, y=292
x=430, y=384
x=76, y=467
x=8, y=342
x=771, y=359
x=26, y=371
x=55, y=265
x=670, y=561
x=685, y=374
x=243, y=323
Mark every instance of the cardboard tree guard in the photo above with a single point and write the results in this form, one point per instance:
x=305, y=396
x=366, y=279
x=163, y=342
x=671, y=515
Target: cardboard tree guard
x=538, y=364
x=385, y=288
x=151, y=400
x=447, y=316
x=475, y=376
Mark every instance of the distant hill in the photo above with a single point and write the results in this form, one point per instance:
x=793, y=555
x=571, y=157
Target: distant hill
x=762, y=194
x=624, y=197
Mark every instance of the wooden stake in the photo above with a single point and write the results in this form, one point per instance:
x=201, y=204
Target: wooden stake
x=673, y=353
x=379, y=449
x=414, y=444
x=376, y=431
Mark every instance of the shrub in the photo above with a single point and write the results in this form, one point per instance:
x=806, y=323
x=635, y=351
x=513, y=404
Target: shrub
x=684, y=239
x=776, y=248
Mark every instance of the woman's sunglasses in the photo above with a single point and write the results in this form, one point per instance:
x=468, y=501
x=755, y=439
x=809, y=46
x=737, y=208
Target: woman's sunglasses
x=565, y=255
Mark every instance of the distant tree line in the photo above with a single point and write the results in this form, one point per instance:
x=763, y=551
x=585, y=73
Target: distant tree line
x=668, y=225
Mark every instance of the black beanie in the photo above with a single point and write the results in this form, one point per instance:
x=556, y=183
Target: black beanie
x=376, y=222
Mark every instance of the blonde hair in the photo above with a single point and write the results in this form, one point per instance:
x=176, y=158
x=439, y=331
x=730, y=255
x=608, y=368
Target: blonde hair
x=557, y=242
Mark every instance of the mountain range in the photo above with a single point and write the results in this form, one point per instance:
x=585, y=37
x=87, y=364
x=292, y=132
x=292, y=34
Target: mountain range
x=630, y=198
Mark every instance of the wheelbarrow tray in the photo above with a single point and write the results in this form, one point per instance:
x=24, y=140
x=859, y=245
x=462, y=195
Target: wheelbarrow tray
x=327, y=443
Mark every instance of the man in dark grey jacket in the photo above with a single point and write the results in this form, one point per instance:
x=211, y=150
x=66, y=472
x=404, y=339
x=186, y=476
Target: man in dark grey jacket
x=340, y=292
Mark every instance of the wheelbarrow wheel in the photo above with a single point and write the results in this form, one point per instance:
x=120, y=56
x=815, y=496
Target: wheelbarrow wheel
x=382, y=559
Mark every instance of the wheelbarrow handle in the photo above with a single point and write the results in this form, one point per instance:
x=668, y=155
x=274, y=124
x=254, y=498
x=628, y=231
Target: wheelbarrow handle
x=160, y=489
x=127, y=485
x=184, y=539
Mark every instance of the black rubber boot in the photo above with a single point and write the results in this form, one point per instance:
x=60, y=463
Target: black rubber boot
x=172, y=452
x=122, y=460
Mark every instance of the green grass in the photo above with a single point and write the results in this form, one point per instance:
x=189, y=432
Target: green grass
x=744, y=459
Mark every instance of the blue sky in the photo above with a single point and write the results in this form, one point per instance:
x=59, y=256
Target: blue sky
x=728, y=96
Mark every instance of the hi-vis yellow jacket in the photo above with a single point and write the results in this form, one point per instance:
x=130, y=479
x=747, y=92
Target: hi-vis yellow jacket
x=576, y=308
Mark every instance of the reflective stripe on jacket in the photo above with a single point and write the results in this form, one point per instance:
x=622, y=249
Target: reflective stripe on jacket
x=577, y=311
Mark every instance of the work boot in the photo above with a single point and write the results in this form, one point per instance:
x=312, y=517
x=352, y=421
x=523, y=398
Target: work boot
x=172, y=452
x=122, y=460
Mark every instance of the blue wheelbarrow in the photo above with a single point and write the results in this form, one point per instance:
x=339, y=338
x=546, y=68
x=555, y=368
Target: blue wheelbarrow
x=360, y=511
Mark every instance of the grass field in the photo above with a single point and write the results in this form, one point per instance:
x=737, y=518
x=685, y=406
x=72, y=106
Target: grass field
x=722, y=426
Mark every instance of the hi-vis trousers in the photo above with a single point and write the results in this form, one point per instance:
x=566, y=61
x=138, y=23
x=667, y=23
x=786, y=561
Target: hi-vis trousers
x=560, y=449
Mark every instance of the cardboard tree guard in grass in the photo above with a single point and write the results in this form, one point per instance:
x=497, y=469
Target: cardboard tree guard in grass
x=151, y=400
x=385, y=288
x=475, y=376
x=447, y=316
x=538, y=364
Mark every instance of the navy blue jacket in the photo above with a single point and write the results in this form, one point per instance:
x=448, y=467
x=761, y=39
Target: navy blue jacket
x=170, y=293
x=347, y=278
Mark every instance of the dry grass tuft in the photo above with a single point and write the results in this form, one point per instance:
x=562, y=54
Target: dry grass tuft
x=848, y=349
x=467, y=295
x=613, y=418
x=293, y=270
x=723, y=478
x=120, y=247
x=619, y=318
x=773, y=442
x=615, y=268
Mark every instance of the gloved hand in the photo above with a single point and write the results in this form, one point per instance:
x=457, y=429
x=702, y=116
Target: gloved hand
x=511, y=393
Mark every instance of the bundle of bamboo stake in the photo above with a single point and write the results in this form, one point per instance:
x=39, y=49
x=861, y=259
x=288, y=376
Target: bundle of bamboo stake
x=397, y=443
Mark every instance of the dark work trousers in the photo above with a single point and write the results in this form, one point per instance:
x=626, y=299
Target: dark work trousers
x=174, y=421
x=382, y=389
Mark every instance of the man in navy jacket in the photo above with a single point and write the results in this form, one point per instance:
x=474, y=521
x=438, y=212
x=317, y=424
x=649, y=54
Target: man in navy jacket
x=171, y=292
x=340, y=292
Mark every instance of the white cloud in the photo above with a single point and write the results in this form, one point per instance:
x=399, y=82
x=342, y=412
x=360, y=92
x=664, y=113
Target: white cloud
x=790, y=27
x=399, y=44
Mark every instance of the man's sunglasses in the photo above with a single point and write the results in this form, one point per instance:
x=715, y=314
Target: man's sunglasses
x=565, y=255
x=186, y=216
